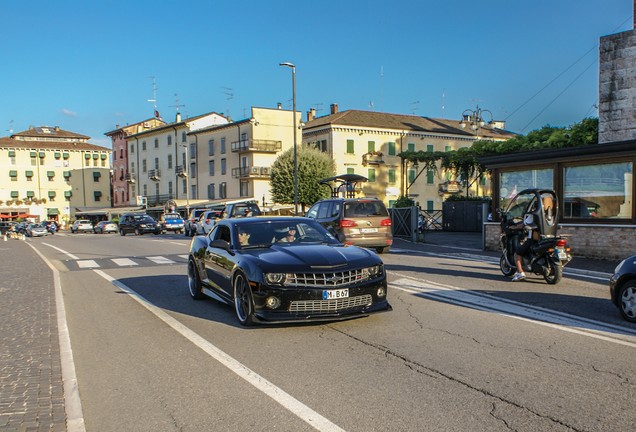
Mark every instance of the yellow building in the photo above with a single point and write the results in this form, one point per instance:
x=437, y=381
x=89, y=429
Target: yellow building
x=50, y=173
x=368, y=143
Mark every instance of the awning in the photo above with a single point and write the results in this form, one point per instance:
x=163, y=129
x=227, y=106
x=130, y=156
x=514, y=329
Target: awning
x=52, y=211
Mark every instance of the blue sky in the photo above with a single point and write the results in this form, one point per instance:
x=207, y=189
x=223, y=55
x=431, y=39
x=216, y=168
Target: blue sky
x=86, y=66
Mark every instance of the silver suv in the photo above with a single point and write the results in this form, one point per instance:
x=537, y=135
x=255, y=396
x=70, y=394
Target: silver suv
x=356, y=221
x=190, y=224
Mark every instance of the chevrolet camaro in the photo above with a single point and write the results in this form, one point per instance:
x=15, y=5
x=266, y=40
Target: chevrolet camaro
x=284, y=269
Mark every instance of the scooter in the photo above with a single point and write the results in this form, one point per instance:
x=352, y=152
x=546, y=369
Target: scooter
x=548, y=253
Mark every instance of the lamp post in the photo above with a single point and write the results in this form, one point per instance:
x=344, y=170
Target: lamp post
x=184, y=174
x=475, y=118
x=293, y=68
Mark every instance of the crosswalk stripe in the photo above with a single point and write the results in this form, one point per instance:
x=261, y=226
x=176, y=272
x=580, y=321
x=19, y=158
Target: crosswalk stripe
x=161, y=260
x=124, y=262
x=185, y=257
x=87, y=264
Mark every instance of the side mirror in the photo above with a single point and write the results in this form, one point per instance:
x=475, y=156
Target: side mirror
x=222, y=244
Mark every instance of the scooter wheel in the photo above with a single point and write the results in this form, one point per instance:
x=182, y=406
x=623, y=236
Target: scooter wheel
x=554, y=273
x=504, y=267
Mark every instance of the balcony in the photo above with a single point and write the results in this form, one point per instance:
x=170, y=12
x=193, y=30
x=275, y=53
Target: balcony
x=154, y=174
x=372, y=158
x=180, y=171
x=450, y=187
x=130, y=178
x=257, y=146
x=251, y=172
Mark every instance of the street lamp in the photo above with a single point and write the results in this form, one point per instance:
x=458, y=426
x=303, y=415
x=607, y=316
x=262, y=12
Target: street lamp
x=184, y=174
x=475, y=118
x=293, y=68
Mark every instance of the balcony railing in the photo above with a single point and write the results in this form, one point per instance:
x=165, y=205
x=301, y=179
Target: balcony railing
x=180, y=171
x=130, y=177
x=154, y=174
x=373, y=158
x=251, y=172
x=263, y=146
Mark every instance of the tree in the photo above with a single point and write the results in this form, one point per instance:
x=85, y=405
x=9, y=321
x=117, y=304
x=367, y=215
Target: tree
x=313, y=166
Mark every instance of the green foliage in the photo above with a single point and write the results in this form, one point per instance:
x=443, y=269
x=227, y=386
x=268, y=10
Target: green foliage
x=403, y=201
x=313, y=166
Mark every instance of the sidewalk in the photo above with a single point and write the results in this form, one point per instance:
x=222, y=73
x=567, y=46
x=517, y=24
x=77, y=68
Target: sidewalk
x=31, y=388
x=473, y=241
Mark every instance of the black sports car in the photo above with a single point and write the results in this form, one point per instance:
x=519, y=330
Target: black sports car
x=623, y=288
x=281, y=269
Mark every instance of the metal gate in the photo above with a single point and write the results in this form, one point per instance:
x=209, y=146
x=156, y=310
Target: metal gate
x=404, y=222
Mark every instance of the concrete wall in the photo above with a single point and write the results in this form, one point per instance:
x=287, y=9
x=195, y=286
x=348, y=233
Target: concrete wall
x=617, y=87
x=608, y=242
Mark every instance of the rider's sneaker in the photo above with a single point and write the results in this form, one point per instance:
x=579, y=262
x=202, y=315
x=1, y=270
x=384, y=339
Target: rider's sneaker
x=518, y=276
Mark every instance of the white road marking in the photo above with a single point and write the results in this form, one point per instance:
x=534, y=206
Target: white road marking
x=87, y=264
x=516, y=310
x=292, y=404
x=124, y=262
x=160, y=260
x=71, y=256
x=185, y=257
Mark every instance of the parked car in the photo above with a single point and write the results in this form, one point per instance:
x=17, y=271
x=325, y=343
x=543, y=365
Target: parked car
x=138, y=223
x=622, y=286
x=82, y=225
x=244, y=263
x=171, y=222
x=207, y=220
x=36, y=230
x=189, y=226
x=356, y=221
x=241, y=209
x=105, y=227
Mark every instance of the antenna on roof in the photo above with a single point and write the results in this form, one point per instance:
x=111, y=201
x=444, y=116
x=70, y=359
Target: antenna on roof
x=371, y=105
x=443, y=97
x=229, y=95
x=177, y=105
x=414, y=106
x=10, y=130
x=154, y=95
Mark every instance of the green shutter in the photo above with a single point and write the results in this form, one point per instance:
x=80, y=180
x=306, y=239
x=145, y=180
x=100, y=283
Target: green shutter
x=50, y=173
x=34, y=154
x=28, y=173
x=391, y=148
x=52, y=212
x=87, y=155
x=430, y=176
x=430, y=148
x=391, y=175
x=350, y=170
x=13, y=173
x=411, y=147
x=57, y=155
x=371, y=146
x=65, y=155
x=42, y=154
x=30, y=194
x=371, y=174
x=67, y=174
x=97, y=174
x=411, y=175
x=391, y=203
x=350, y=146
x=11, y=153
x=103, y=156
x=98, y=194
x=447, y=148
x=14, y=194
x=68, y=194
x=52, y=194
x=95, y=156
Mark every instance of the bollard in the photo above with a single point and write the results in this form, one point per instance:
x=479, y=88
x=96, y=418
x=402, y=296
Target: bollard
x=5, y=236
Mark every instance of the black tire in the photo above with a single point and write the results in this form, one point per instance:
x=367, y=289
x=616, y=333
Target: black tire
x=194, y=281
x=243, y=300
x=627, y=301
x=504, y=267
x=381, y=250
x=122, y=232
x=554, y=274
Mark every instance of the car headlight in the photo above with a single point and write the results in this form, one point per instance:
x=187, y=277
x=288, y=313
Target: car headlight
x=373, y=271
x=275, y=278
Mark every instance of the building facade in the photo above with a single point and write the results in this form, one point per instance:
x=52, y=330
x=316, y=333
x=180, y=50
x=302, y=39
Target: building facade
x=50, y=173
x=368, y=143
x=121, y=176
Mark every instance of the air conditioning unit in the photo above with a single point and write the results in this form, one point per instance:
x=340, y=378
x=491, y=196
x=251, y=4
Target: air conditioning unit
x=265, y=171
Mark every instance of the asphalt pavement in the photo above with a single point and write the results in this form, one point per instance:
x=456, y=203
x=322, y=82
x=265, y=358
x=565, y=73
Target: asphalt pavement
x=32, y=387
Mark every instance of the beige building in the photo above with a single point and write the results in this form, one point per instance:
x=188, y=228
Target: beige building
x=50, y=173
x=367, y=143
x=160, y=159
x=233, y=161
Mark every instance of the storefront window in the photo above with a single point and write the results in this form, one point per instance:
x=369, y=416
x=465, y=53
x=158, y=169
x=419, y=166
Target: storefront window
x=598, y=191
x=513, y=182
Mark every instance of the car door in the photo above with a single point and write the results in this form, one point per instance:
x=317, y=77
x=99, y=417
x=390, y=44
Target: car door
x=219, y=263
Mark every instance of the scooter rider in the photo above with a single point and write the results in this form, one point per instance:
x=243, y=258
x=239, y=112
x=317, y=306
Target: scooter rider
x=524, y=247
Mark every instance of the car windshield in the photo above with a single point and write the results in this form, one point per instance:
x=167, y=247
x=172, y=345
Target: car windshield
x=171, y=216
x=364, y=208
x=144, y=218
x=260, y=234
x=519, y=205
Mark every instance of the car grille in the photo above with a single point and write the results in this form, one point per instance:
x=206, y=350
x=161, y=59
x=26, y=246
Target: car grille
x=326, y=306
x=331, y=280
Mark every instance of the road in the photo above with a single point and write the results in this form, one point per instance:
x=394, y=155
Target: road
x=463, y=349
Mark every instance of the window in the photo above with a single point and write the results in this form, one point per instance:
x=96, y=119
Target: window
x=184, y=137
x=447, y=148
x=411, y=175
x=512, y=182
x=145, y=188
x=392, y=175
x=193, y=150
x=132, y=148
x=169, y=161
x=211, y=147
x=598, y=191
x=170, y=188
x=351, y=170
x=50, y=175
x=97, y=195
x=245, y=189
x=193, y=170
x=430, y=148
x=156, y=163
x=156, y=142
x=391, y=148
x=223, y=145
x=57, y=155
x=211, y=191
x=169, y=139
x=371, y=176
x=143, y=166
x=371, y=146
x=223, y=190
x=184, y=186
x=52, y=195
x=211, y=168
x=156, y=189
x=350, y=147
x=143, y=145
x=223, y=167
x=411, y=147
x=28, y=175
x=430, y=176
x=193, y=191
x=96, y=176
x=430, y=205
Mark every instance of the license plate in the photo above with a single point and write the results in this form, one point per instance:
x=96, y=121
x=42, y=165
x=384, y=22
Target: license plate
x=335, y=294
x=561, y=254
x=368, y=230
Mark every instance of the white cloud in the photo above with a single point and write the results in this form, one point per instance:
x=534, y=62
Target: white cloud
x=69, y=113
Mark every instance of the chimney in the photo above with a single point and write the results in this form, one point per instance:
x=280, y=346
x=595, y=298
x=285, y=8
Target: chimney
x=280, y=105
x=178, y=117
x=311, y=114
x=57, y=128
x=334, y=107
